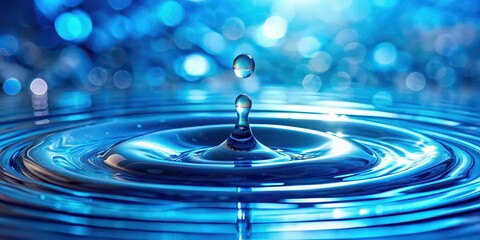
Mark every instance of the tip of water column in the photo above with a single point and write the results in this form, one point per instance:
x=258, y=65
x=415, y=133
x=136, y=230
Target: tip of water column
x=243, y=101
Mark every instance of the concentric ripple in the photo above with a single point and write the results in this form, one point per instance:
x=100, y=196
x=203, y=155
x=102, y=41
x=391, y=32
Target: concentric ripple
x=136, y=171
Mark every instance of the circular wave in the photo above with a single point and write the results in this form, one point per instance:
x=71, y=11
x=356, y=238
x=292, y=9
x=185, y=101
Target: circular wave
x=136, y=172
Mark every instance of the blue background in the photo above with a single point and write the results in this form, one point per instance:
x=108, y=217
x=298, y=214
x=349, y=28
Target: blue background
x=388, y=51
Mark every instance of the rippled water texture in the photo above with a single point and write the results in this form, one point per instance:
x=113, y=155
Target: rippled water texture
x=136, y=170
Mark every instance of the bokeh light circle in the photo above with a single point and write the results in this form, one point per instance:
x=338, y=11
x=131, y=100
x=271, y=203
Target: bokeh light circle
x=196, y=65
x=170, y=13
x=415, y=81
x=38, y=87
x=275, y=27
x=122, y=79
x=12, y=86
x=385, y=53
x=73, y=26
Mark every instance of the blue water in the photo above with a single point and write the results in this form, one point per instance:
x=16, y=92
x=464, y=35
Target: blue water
x=137, y=169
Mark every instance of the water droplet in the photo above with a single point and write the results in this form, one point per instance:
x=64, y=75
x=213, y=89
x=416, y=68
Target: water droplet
x=242, y=137
x=243, y=66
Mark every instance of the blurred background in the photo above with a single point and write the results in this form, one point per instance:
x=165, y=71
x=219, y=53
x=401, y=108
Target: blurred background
x=387, y=51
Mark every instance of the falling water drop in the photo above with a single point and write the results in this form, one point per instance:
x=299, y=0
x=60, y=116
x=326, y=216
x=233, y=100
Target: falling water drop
x=243, y=66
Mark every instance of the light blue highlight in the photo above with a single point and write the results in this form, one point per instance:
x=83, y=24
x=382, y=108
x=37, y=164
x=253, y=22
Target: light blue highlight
x=73, y=26
x=170, y=13
x=12, y=86
x=385, y=54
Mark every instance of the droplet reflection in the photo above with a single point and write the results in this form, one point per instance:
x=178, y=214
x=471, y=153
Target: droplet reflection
x=243, y=66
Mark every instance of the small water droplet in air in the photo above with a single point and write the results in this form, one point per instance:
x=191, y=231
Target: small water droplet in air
x=243, y=66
